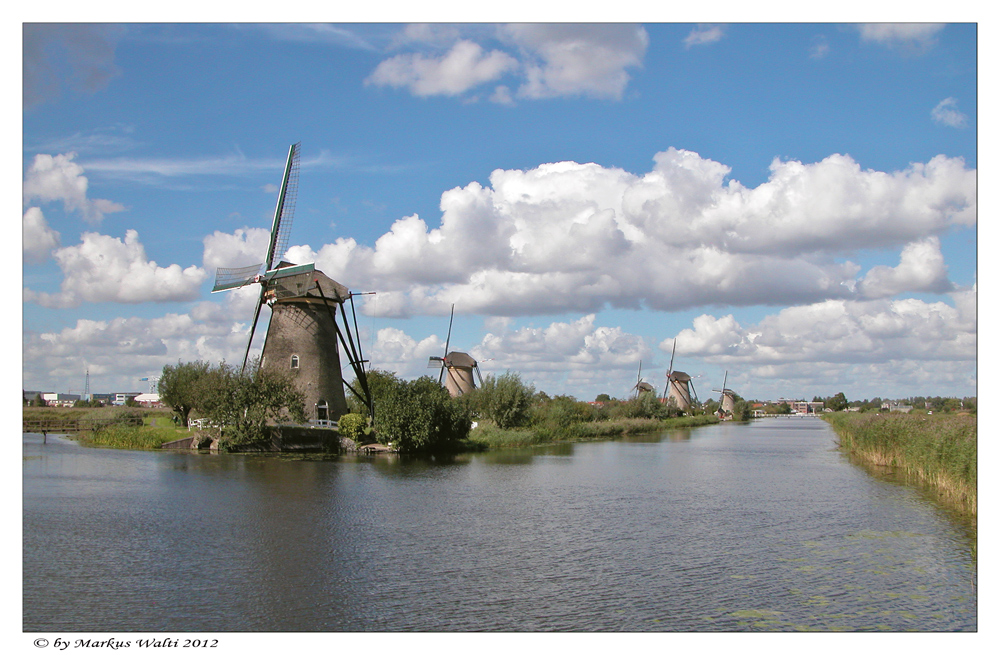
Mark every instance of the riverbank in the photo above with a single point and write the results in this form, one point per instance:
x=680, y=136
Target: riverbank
x=935, y=450
x=489, y=437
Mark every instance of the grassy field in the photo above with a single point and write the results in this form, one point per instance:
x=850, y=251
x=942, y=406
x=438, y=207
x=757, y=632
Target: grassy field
x=157, y=429
x=937, y=450
x=487, y=436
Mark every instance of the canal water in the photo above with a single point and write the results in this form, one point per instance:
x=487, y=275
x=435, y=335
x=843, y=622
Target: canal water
x=759, y=527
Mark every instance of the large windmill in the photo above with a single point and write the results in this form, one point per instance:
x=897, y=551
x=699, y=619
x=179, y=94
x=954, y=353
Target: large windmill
x=727, y=398
x=303, y=334
x=680, y=386
x=459, y=366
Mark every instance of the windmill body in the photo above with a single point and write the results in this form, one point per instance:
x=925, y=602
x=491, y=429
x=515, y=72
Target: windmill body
x=679, y=388
x=459, y=369
x=302, y=340
x=728, y=405
x=303, y=337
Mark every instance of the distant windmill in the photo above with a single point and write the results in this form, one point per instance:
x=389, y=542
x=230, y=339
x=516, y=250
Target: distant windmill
x=727, y=399
x=459, y=366
x=641, y=386
x=302, y=336
x=679, y=385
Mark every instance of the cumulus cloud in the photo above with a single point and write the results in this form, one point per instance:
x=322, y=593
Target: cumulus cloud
x=581, y=59
x=465, y=66
x=908, y=38
x=569, y=237
x=79, y=57
x=703, y=35
x=244, y=247
x=38, y=240
x=107, y=269
x=118, y=351
x=551, y=60
x=946, y=113
x=59, y=178
x=839, y=332
x=921, y=268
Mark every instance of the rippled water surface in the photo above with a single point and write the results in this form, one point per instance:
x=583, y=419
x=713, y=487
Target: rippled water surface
x=729, y=527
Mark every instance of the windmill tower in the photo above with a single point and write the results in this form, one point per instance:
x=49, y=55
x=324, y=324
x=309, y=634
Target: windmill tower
x=641, y=386
x=303, y=336
x=459, y=365
x=680, y=387
x=727, y=399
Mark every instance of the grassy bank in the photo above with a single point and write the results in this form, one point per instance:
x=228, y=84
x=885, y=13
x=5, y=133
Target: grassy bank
x=110, y=425
x=487, y=436
x=936, y=450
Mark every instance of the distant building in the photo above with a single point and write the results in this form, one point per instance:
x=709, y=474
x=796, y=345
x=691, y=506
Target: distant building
x=120, y=398
x=892, y=406
x=103, y=398
x=60, y=399
x=149, y=400
x=804, y=407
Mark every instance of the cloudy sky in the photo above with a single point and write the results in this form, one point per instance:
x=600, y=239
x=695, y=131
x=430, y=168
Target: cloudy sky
x=795, y=204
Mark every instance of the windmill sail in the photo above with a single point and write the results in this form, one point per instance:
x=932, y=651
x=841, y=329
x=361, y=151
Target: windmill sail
x=234, y=278
x=281, y=228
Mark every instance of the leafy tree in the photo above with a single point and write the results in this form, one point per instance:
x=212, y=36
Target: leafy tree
x=418, y=416
x=242, y=403
x=506, y=400
x=602, y=398
x=379, y=383
x=179, y=387
x=837, y=403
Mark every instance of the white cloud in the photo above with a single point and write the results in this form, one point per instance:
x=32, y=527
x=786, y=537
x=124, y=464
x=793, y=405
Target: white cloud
x=577, y=59
x=568, y=237
x=464, y=66
x=244, y=247
x=909, y=38
x=38, y=239
x=839, y=332
x=921, y=268
x=946, y=113
x=703, y=35
x=552, y=59
x=119, y=351
x=106, y=269
x=59, y=178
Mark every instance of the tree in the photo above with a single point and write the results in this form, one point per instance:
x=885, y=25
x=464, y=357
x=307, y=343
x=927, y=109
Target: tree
x=242, y=403
x=602, y=398
x=418, y=416
x=179, y=387
x=506, y=400
x=838, y=402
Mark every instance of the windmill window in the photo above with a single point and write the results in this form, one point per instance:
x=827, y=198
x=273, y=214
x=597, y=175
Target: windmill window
x=295, y=361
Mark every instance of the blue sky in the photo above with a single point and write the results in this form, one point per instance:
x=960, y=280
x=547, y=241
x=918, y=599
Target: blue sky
x=795, y=204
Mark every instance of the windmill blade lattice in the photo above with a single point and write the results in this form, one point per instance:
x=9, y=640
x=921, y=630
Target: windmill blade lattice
x=281, y=228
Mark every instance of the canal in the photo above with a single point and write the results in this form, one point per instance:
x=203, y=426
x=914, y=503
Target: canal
x=732, y=527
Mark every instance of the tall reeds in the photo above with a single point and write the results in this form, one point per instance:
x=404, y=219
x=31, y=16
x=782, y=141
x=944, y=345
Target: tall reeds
x=936, y=450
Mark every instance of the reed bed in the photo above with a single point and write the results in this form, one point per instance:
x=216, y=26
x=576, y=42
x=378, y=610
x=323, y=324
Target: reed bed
x=130, y=437
x=937, y=450
x=487, y=436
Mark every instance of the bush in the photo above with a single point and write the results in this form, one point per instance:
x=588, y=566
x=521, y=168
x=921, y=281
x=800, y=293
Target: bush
x=505, y=400
x=353, y=427
x=419, y=416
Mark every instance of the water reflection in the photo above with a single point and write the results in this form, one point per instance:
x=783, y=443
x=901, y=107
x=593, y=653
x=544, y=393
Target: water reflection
x=727, y=527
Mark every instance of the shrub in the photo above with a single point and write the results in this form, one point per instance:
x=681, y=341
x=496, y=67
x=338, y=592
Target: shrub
x=419, y=416
x=353, y=427
x=505, y=400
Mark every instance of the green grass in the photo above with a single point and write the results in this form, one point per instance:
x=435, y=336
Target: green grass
x=936, y=450
x=488, y=436
x=130, y=437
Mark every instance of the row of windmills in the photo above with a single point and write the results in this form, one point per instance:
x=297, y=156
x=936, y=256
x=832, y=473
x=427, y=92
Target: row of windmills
x=680, y=389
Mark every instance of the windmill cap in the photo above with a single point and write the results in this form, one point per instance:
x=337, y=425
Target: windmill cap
x=680, y=376
x=461, y=360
